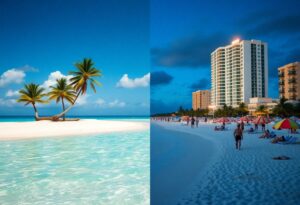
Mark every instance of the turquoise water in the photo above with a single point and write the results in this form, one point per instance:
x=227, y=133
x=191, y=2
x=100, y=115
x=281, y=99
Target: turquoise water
x=31, y=118
x=106, y=169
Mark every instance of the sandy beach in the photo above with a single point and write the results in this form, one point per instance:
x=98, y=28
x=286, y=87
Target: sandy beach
x=212, y=171
x=40, y=129
x=175, y=151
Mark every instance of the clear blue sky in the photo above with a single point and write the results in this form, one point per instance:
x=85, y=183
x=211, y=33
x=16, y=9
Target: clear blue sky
x=38, y=38
x=185, y=32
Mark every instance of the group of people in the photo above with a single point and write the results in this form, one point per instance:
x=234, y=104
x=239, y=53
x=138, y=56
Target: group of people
x=194, y=121
x=276, y=139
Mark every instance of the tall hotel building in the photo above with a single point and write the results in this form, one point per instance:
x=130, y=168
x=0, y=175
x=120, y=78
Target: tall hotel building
x=201, y=99
x=289, y=81
x=238, y=72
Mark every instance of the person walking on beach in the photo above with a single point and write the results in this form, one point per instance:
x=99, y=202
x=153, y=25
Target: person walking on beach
x=197, y=121
x=238, y=136
x=192, y=122
x=263, y=126
x=255, y=126
x=242, y=125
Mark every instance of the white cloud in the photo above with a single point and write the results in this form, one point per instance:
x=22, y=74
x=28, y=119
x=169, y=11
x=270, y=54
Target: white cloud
x=100, y=102
x=28, y=68
x=12, y=93
x=7, y=102
x=12, y=76
x=126, y=82
x=51, y=81
x=82, y=99
x=116, y=103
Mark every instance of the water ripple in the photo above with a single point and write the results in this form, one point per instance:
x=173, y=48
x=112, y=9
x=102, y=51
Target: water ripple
x=105, y=169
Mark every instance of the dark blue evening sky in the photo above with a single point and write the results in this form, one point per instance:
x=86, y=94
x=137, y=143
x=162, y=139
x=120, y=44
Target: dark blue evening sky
x=38, y=38
x=184, y=33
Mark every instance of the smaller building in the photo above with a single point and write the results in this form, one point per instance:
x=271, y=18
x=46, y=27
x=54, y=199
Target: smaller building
x=254, y=103
x=200, y=99
x=289, y=81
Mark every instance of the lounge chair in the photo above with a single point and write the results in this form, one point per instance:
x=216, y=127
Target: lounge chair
x=290, y=140
x=272, y=135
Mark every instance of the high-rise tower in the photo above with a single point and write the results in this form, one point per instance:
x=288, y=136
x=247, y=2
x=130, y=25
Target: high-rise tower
x=239, y=71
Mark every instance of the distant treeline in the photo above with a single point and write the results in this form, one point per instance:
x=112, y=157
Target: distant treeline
x=282, y=109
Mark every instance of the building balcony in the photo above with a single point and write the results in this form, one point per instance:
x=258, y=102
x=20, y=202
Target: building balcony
x=292, y=81
x=292, y=90
x=281, y=91
x=292, y=97
x=281, y=82
x=292, y=72
x=281, y=75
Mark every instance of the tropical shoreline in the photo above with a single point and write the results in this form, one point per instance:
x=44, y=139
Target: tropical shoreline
x=42, y=129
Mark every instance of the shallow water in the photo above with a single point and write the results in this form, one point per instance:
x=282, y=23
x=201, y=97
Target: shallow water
x=105, y=169
x=119, y=118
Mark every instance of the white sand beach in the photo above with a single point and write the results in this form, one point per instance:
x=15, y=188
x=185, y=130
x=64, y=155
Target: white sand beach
x=39, y=129
x=205, y=167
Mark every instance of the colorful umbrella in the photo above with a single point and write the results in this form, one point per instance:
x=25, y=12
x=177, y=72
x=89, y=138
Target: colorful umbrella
x=184, y=118
x=286, y=124
x=223, y=120
x=262, y=120
x=245, y=119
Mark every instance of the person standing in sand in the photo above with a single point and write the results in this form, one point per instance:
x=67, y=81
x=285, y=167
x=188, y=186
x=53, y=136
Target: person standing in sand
x=192, y=122
x=242, y=125
x=238, y=136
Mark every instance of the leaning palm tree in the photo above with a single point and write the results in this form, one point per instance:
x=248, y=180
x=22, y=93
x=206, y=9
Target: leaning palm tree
x=84, y=75
x=32, y=94
x=62, y=91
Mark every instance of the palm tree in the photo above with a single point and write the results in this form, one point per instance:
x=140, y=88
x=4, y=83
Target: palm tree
x=280, y=109
x=262, y=109
x=242, y=109
x=32, y=94
x=85, y=74
x=62, y=91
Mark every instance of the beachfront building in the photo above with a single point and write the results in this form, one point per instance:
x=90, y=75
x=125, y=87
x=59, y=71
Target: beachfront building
x=289, y=81
x=239, y=71
x=255, y=103
x=201, y=99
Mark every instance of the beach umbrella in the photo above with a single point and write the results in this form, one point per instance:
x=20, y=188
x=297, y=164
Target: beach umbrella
x=184, y=118
x=223, y=120
x=286, y=124
x=245, y=119
x=261, y=120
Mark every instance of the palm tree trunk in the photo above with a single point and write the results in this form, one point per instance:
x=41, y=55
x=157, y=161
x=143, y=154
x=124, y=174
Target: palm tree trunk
x=63, y=105
x=56, y=117
x=36, y=114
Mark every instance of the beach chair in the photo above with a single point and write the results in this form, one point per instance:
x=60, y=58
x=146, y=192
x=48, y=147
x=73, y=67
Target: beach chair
x=272, y=135
x=290, y=140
